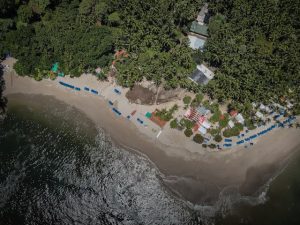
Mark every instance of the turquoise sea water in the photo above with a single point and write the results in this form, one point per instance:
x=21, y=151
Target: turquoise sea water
x=57, y=168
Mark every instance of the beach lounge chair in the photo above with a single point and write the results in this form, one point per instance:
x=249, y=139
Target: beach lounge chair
x=227, y=145
x=66, y=85
x=86, y=89
x=77, y=89
x=253, y=136
x=140, y=121
x=227, y=140
x=94, y=91
x=116, y=111
x=110, y=102
x=117, y=91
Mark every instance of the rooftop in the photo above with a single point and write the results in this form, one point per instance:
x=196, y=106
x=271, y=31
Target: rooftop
x=199, y=29
x=203, y=12
x=202, y=110
x=196, y=42
x=202, y=75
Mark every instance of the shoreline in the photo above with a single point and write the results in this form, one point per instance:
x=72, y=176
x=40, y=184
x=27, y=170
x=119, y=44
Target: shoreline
x=194, y=172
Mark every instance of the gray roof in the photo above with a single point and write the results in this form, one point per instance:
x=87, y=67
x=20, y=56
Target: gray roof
x=202, y=110
x=199, y=77
x=199, y=29
x=202, y=13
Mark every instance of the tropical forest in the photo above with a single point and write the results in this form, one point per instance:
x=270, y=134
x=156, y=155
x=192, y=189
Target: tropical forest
x=253, y=46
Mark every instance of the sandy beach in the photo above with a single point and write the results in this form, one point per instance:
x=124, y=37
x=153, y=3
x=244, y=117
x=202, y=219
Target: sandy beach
x=196, y=174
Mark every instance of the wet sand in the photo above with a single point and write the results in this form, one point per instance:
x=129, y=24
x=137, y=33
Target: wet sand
x=198, y=177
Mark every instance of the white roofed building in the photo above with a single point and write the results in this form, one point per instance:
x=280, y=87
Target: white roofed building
x=202, y=130
x=259, y=115
x=239, y=117
x=230, y=124
x=202, y=75
x=206, y=124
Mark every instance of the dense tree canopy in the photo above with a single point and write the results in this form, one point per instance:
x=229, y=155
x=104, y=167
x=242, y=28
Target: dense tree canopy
x=82, y=35
x=255, y=46
x=3, y=100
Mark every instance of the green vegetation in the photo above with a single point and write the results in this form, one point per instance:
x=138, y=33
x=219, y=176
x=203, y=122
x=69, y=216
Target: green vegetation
x=188, y=132
x=174, y=124
x=231, y=132
x=198, y=138
x=187, y=100
x=218, y=138
x=216, y=116
x=197, y=100
x=83, y=35
x=249, y=124
x=101, y=76
x=47, y=31
x=214, y=107
x=296, y=109
x=214, y=132
x=166, y=115
x=239, y=126
x=224, y=121
x=3, y=100
x=212, y=146
x=254, y=46
x=187, y=123
x=206, y=104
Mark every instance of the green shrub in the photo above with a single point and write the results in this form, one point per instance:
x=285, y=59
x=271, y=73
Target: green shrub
x=197, y=100
x=166, y=115
x=296, y=109
x=249, y=124
x=101, y=76
x=174, y=124
x=187, y=100
x=198, y=138
x=212, y=146
x=224, y=122
x=239, y=126
x=218, y=138
x=231, y=132
x=214, y=108
x=206, y=104
x=214, y=131
x=188, y=132
x=199, y=97
x=204, y=145
x=216, y=116
x=187, y=123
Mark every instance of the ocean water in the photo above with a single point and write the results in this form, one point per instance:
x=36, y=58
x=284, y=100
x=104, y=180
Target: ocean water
x=56, y=167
